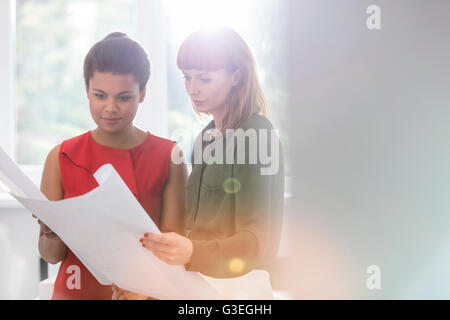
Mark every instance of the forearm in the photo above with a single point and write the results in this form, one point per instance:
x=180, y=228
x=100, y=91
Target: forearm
x=177, y=226
x=225, y=258
x=52, y=250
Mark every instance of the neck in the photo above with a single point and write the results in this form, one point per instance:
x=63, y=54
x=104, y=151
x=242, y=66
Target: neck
x=124, y=139
x=219, y=116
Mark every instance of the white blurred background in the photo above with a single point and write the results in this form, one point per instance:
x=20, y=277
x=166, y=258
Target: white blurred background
x=363, y=117
x=370, y=114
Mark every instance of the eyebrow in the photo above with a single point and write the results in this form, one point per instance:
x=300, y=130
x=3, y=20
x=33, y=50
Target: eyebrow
x=120, y=93
x=197, y=74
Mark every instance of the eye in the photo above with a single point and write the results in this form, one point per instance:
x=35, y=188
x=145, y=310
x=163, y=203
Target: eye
x=99, y=95
x=187, y=78
x=124, y=98
x=205, y=80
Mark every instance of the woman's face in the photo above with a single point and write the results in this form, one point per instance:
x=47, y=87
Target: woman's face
x=209, y=90
x=113, y=100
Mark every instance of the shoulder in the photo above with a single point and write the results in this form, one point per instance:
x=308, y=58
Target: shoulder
x=198, y=139
x=159, y=140
x=53, y=156
x=259, y=142
x=52, y=171
x=177, y=163
x=51, y=182
x=257, y=121
x=74, y=143
x=155, y=145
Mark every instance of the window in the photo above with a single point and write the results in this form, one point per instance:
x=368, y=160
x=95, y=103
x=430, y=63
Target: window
x=52, y=39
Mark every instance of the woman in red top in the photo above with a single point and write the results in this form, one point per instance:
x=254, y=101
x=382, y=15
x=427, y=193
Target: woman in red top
x=116, y=72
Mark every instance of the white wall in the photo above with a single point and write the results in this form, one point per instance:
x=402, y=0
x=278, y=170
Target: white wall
x=370, y=117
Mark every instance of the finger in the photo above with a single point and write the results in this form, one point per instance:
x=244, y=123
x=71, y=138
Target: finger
x=49, y=233
x=44, y=227
x=164, y=238
x=48, y=230
x=51, y=236
x=118, y=294
x=165, y=251
x=115, y=295
x=33, y=216
x=170, y=252
x=165, y=243
x=158, y=246
x=130, y=296
x=118, y=290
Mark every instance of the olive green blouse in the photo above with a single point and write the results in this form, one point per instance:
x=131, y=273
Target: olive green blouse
x=234, y=212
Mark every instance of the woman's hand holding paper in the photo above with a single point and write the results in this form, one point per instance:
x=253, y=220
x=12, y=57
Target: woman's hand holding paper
x=46, y=231
x=170, y=247
x=121, y=294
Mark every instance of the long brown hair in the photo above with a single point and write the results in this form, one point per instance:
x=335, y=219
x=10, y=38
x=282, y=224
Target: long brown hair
x=223, y=48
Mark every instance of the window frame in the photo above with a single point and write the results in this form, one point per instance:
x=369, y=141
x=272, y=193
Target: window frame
x=151, y=35
x=7, y=53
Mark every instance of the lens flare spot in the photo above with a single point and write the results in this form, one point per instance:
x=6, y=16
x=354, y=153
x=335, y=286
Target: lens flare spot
x=231, y=185
x=236, y=265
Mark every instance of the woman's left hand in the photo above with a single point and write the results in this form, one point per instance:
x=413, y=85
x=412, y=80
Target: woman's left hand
x=122, y=294
x=170, y=247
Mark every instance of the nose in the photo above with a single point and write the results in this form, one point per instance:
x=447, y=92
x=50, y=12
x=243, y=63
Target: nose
x=192, y=88
x=111, y=106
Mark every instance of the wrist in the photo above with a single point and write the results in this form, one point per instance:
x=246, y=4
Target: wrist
x=191, y=251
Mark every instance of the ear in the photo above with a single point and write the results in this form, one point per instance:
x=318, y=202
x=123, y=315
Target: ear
x=236, y=77
x=142, y=95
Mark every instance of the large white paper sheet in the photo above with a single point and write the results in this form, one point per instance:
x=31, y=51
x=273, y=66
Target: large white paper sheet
x=15, y=180
x=103, y=228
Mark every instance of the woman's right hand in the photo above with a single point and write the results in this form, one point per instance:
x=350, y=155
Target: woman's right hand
x=47, y=232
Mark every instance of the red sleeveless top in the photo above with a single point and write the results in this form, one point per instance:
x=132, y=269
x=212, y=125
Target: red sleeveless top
x=144, y=169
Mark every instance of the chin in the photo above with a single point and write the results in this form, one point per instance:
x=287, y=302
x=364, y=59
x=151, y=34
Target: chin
x=110, y=129
x=204, y=109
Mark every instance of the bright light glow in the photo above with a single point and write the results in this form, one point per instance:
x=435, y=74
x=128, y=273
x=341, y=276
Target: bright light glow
x=231, y=185
x=188, y=16
x=236, y=265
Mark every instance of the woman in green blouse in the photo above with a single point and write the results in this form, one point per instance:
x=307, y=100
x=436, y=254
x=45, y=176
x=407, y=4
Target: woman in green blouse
x=236, y=187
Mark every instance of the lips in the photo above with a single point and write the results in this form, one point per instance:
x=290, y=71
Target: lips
x=111, y=120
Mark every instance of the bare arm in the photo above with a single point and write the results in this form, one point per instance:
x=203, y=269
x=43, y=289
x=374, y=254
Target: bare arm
x=51, y=247
x=174, y=198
